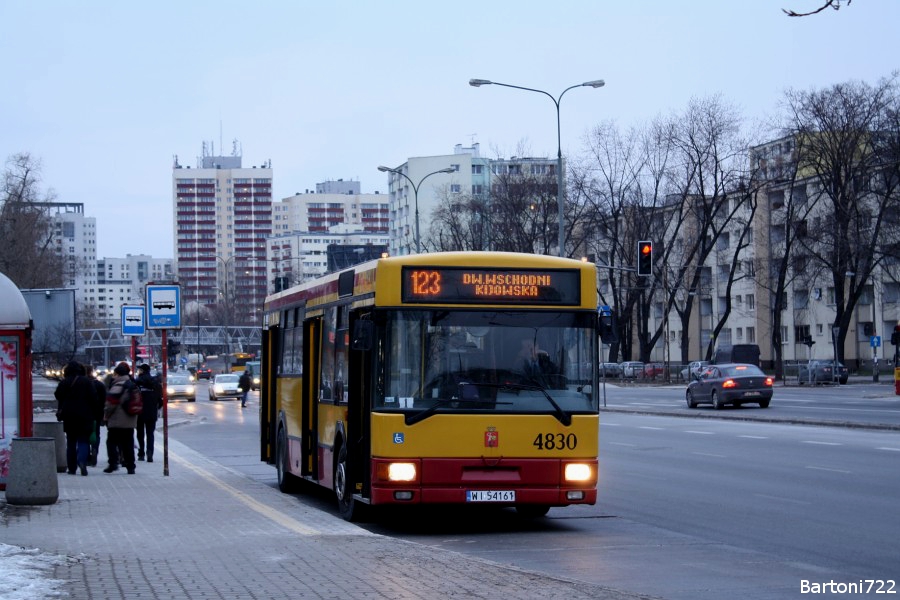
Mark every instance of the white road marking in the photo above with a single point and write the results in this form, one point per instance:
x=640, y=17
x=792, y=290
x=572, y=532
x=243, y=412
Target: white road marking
x=828, y=469
x=782, y=499
x=820, y=443
x=700, y=432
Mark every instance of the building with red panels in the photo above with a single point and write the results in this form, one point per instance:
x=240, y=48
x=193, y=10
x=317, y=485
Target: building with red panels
x=223, y=215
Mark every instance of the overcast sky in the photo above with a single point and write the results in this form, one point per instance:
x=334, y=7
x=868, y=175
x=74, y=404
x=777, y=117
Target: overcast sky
x=106, y=93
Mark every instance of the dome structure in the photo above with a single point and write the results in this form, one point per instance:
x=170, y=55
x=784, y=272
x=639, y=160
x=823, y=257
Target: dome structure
x=14, y=312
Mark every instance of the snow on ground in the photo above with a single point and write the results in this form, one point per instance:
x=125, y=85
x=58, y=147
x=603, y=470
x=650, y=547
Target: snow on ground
x=25, y=574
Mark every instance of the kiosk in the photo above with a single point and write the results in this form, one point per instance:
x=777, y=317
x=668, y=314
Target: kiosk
x=16, y=413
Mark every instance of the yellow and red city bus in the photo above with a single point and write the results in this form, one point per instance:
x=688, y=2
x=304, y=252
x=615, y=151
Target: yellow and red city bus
x=446, y=378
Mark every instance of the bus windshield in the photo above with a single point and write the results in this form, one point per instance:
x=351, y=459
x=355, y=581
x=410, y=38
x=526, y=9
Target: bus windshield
x=535, y=362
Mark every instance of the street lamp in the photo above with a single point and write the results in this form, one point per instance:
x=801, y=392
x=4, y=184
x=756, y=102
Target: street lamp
x=415, y=188
x=560, y=188
x=229, y=306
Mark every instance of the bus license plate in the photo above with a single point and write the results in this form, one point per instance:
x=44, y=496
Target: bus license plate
x=490, y=496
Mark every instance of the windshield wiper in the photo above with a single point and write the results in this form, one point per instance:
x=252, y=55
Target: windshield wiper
x=561, y=415
x=460, y=399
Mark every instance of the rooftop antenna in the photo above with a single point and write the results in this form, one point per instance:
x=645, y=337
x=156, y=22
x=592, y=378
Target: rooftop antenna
x=221, y=145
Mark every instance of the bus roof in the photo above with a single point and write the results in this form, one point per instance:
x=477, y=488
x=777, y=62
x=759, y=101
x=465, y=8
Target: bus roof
x=387, y=288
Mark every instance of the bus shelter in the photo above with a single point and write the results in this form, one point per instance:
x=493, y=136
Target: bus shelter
x=16, y=414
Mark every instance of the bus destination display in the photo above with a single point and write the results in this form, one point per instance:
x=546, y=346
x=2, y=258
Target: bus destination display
x=491, y=286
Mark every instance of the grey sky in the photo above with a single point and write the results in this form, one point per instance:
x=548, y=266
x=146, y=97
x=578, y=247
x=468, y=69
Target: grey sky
x=105, y=93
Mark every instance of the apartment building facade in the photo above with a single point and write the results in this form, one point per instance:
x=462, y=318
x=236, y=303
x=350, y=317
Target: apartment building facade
x=307, y=224
x=808, y=302
x=222, y=215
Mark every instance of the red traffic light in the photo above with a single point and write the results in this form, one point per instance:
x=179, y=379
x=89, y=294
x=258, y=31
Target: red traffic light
x=645, y=258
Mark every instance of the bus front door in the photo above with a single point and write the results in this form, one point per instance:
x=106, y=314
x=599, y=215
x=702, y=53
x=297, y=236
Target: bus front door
x=312, y=341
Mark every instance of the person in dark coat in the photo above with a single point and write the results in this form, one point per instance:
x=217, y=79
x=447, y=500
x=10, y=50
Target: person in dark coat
x=99, y=401
x=75, y=398
x=119, y=424
x=245, y=383
x=151, y=394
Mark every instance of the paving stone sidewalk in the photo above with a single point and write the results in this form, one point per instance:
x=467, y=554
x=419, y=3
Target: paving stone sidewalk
x=207, y=531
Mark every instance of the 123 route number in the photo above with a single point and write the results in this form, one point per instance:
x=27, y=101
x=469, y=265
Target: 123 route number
x=555, y=441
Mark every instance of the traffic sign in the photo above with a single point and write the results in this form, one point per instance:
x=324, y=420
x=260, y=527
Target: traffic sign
x=875, y=341
x=133, y=320
x=163, y=306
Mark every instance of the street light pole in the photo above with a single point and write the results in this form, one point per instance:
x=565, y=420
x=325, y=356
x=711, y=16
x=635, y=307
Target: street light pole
x=560, y=187
x=225, y=263
x=415, y=188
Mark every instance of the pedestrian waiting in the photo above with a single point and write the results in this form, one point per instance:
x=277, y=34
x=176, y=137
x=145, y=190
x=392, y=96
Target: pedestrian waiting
x=119, y=424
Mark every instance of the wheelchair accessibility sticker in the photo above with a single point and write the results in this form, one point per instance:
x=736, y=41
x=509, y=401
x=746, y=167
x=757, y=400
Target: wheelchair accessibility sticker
x=398, y=438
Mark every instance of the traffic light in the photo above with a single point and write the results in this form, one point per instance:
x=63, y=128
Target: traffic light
x=608, y=333
x=895, y=335
x=645, y=258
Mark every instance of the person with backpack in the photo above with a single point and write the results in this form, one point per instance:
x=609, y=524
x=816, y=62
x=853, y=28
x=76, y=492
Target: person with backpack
x=74, y=396
x=122, y=397
x=245, y=384
x=151, y=396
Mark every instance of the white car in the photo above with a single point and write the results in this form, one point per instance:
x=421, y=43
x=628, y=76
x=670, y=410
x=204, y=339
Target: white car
x=180, y=386
x=225, y=386
x=633, y=369
x=693, y=369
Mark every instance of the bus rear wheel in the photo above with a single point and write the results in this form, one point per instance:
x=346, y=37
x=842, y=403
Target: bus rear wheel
x=348, y=506
x=287, y=482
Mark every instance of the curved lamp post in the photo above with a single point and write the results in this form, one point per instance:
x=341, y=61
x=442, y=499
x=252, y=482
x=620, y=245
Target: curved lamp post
x=560, y=188
x=415, y=187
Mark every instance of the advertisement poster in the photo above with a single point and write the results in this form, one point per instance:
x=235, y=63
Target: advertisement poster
x=9, y=400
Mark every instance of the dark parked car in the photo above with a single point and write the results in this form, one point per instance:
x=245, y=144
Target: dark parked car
x=203, y=372
x=822, y=371
x=730, y=384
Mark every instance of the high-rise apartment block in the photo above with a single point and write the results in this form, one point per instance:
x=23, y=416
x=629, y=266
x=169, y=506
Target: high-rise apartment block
x=222, y=217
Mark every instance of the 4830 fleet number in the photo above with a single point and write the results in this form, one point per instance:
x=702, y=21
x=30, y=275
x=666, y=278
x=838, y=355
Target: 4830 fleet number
x=555, y=441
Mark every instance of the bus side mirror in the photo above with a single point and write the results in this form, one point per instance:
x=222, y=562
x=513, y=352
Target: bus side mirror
x=363, y=335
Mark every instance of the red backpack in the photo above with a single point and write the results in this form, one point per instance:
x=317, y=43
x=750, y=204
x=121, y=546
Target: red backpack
x=130, y=399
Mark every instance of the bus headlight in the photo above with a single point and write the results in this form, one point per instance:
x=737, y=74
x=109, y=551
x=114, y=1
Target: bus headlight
x=578, y=473
x=396, y=472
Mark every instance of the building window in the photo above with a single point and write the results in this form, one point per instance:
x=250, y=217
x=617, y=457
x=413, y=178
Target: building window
x=751, y=302
x=751, y=335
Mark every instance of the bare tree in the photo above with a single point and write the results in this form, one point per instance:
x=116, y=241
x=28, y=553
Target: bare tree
x=849, y=157
x=459, y=222
x=835, y=4
x=27, y=254
x=710, y=181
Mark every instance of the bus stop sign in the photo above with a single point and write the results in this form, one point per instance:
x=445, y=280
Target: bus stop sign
x=163, y=306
